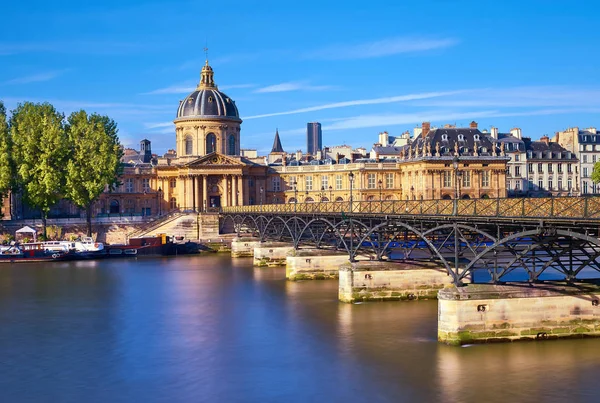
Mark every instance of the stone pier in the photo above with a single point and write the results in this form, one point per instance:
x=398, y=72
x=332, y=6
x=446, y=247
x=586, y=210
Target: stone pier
x=243, y=247
x=314, y=264
x=390, y=281
x=272, y=253
x=482, y=313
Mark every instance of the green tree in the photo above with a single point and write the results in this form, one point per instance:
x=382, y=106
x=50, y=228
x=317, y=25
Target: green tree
x=40, y=153
x=596, y=173
x=94, y=162
x=6, y=161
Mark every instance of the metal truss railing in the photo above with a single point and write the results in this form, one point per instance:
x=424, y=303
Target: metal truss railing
x=572, y=208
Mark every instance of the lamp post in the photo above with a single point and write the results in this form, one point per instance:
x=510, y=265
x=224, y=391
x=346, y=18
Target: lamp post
x=159, y=201
x=330, y=196
x=322, y=194
x=295, y=184
x=261, y=197
x=351, y=177
x=455, y=161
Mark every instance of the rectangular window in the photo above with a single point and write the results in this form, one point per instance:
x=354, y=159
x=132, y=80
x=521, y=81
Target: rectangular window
x=292, y=182
x=594, y=158
x=145, y=185
x=550, y=185
x=389, y=181
x=518, y=172
x=560, y=167
x=308, y=182
x=569, y=168
x=276, y=184
x=549, y=168
x=447, y=179
x=485, y=179
x=466, y=179
x=585, y=172
x=371, y=181
x=517, y=157
x=324, y=182
x=569, y=184
x=540, y=169
x=338, y=182
x=129, y=185
x=559, y=184
x=530, y=168
x=585, y=187
x=584, y=158
x=518, y=185
x=540, y=184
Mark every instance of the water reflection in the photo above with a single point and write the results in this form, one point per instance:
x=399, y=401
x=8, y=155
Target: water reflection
x=210, y=328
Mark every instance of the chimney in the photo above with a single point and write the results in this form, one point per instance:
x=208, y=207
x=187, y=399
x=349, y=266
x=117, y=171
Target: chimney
x=319, y=155
x=473, y=125
x=545, y=139
x=425, y=127
x=516, y=132
x=146, y=150
x=494, y=132
x=298, y=155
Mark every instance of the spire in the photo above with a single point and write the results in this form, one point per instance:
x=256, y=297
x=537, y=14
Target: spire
x=277, y=148
x=206, y=77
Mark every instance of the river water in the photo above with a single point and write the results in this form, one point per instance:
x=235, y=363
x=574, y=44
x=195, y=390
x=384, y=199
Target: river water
x=213, y=329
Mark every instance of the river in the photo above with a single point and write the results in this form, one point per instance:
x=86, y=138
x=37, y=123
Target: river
x=212, y=329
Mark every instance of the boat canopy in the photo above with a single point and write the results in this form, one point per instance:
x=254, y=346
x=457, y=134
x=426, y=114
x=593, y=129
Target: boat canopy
x=27, y=230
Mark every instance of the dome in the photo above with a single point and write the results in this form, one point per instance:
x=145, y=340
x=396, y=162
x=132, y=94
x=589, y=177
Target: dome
x=207, y=101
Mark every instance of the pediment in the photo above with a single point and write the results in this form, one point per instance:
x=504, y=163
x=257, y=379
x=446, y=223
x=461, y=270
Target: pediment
x=215, y=159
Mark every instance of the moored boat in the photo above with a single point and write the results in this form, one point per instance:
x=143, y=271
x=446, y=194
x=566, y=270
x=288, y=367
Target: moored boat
x=32, y=252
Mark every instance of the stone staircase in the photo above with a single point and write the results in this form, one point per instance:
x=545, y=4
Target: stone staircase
x=183, y=226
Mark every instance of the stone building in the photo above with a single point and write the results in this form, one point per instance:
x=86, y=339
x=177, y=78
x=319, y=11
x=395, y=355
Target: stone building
x=585, y=144
x=551, y=169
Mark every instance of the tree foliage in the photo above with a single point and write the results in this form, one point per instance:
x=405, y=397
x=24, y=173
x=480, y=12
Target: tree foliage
x=596, y=173
x=94, y=160
x=40, y=153
x=6, y=161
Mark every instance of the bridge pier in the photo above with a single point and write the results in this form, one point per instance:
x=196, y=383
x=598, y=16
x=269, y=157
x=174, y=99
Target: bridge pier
x=272, y=253
x=314, y=264
x=390, y=281
x=483, y=313
x=243, y=247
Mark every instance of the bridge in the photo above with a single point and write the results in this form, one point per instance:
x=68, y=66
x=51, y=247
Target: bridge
x=476, y=240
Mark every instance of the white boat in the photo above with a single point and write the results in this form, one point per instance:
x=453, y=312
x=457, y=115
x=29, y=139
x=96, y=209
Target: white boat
x=85, y=245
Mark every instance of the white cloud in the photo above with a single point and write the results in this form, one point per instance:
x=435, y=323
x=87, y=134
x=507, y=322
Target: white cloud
x=373, y=101
x=36, y=78
x=186, y=88
x=159, y=125
x=293, y=86
x=385, y=47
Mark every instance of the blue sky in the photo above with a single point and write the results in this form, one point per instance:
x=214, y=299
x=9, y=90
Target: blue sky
x=358, y=67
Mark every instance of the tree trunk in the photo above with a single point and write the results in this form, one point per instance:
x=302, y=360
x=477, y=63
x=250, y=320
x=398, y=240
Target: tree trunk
x=88, y=219
x=44, y=218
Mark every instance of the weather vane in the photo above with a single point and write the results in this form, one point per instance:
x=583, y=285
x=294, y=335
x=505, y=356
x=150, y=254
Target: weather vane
x=206, y=51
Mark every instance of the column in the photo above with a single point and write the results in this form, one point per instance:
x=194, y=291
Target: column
x=234, y=190
x=198, y=193
x=204, y=192
x=224, y=196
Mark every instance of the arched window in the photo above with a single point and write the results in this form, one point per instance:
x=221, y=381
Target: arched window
x=211, y=143
x=324, y=199
x=446, y=197
x=308, y=200
x=291, y=200
x=173, y=203
x=484, y=196
x=231, y=145
x=189, y=145
x=173, y=182
x=339, y=199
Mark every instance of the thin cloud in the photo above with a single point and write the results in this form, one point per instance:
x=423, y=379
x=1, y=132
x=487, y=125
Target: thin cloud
x=293, y=86
x=36, y=78
x=159, y=125
x=385, y=47
x=187, y=88
x=373, y=101
x=71, y=47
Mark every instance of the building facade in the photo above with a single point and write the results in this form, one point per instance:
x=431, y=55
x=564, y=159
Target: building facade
x=585, y=144
x=551, y=169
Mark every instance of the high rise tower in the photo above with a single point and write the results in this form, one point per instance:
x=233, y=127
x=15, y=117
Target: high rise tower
x=314, y=141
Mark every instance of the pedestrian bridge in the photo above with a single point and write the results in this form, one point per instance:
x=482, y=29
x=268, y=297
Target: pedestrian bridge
x=479, y=240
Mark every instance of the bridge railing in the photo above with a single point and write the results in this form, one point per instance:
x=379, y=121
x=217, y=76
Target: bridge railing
x=587, y=207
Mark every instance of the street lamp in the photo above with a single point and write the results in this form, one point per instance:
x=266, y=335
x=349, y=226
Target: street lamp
x=380, y=185
x=295, y=184
x=351, y=177
x=261, y=197
x=159, y=201
x=455, y=161
x=330, y=196
x=322, y=194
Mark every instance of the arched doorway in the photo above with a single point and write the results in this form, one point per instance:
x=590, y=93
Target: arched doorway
x=484, y=196
x=211, y=143
x=446, y=197
x=114, y=207
x=173, y=203
x=465, y=197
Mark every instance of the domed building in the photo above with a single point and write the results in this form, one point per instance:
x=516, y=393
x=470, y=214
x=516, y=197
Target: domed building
x=207, y=121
